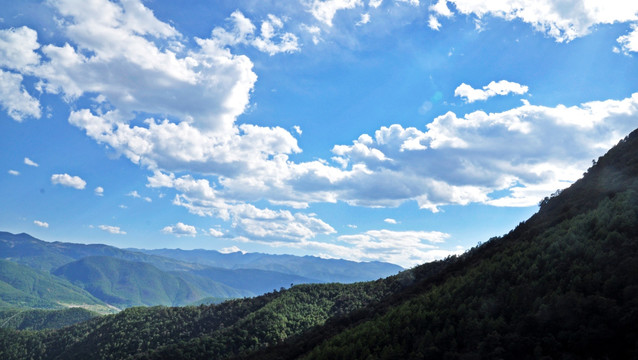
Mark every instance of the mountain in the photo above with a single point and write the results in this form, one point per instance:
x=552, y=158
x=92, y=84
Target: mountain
x=27, y=250
x=562, y=285
x=319, y=269
x=129, y=283
x=23, y=287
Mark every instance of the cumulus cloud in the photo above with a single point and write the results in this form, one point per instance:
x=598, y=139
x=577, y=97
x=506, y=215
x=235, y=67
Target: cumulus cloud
x=14, y=172
x=390, y=221
x=564, y=21
x=99, y=191
x=494, y=88
x=112, y=229
x=68, y=180
x=41, y=223
x=30, y=162
x=180, y=229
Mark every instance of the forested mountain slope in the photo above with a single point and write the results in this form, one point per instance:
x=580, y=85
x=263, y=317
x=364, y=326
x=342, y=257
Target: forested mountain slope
x=562, y=284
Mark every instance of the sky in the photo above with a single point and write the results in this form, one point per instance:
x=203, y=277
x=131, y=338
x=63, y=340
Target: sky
x=370, y=130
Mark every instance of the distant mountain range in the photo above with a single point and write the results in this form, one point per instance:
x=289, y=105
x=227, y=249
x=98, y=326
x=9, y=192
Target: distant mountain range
x=40, y=274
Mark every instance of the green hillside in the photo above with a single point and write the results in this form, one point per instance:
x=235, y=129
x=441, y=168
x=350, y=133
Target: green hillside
x=23, y=287
x=22, y=319
x=127, y=283
x=562, y=285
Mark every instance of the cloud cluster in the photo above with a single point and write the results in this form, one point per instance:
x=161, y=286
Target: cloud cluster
x=75, y=182
x=494, y=88
x=171, y=107
x=564, y=21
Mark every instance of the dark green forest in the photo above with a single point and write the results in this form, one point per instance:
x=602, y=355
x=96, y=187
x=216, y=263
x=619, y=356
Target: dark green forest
x=561, y=285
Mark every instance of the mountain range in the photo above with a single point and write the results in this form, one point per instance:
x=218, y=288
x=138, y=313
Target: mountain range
x=49, y=275
x=561, y=285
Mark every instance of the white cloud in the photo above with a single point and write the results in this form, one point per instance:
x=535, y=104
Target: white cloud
x=14, y=172
x=41, y=223
x=365, y=18
x=375, y=3
x=411, y=2
x=134, y=194
x=17, y=47
x=117, y=52
x=15, y=100
x=270, y=40
x=629, y=42
x=441, y=8
x=68, y=180
x=405, y=248
x=434, y=23
x=215, y=232
x=180, y=229
x=390, y=221
x=562, y=20
x=314, y=31
x=494, y=88
x=30, y=162
x=325, y=10
x=112, y=229
x=231, y=249
x=99, y=191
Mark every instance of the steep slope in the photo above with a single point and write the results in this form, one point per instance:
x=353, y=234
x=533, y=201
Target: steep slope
x=128, y=283
x=561, y=285
x=21, y=286
x=46, y=256
x=323, y=270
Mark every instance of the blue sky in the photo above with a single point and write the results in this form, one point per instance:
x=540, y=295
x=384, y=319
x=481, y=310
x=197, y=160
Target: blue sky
x=392, y=130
